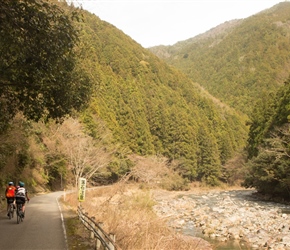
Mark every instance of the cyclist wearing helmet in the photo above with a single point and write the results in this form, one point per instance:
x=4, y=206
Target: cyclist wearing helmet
x=10, y=195
x=21, y=194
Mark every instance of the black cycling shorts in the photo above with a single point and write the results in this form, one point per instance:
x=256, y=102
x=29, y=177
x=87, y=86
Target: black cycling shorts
x=20, y=200
x=10, y=200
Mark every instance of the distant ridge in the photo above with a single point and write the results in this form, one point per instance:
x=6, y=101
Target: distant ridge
x=238, y=61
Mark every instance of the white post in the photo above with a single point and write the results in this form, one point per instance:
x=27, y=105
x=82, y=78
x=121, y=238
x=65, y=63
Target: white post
x=113, y=237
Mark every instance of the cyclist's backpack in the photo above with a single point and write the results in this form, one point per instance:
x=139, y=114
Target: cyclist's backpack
x=10, y=192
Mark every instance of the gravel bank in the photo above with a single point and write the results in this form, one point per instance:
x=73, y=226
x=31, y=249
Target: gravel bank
x=228, y=215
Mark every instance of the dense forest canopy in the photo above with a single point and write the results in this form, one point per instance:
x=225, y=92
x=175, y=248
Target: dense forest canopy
x=244, y=63
x=269, y=145
x=152, y=108
x=136, y=104
x=238, y=61
x=38, y=73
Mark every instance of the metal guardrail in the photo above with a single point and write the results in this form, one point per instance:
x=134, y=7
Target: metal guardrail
x=103, y=240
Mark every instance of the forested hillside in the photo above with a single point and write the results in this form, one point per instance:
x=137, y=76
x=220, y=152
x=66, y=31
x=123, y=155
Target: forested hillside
x=239, y=61
x=245, y=63
x=137, y=105
x=152, y=108
x=269, y=145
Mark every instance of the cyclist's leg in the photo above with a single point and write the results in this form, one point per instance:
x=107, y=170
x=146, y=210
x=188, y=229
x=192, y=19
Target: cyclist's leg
x=18, y=215
x=18, y=201
x=7, y=205
x=14, y=203
x=9, y=200
x=23, y=205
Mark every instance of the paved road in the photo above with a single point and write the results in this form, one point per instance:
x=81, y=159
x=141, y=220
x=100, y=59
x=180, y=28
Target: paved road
x=42, y=227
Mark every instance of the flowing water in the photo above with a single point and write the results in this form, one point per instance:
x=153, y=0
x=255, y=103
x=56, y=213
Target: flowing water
x=240, y=198
x=218, y=245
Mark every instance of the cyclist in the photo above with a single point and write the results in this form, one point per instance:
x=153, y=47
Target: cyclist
x=10, y=195
x=20, y=195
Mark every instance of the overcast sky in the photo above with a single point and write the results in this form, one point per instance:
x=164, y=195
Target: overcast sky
x=165, y=22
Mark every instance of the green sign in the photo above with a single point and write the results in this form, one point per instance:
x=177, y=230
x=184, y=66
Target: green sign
x=82, y=189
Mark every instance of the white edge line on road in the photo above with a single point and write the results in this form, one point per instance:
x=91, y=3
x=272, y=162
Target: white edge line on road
x=62, y=222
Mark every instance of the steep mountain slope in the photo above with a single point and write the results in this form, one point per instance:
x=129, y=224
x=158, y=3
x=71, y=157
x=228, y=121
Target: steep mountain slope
x=268, y=145
x=238, y=61
x=153, y=108
x=139, y=106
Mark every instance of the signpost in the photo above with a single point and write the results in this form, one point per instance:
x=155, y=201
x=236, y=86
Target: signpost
x=82, y=189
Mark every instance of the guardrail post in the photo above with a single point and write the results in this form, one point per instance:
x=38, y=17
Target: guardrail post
x=103, y=241
x=98, y=241
x=98, y=244
x=113, y=237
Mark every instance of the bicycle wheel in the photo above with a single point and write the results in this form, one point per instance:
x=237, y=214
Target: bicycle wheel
x=11, y=211
x=19, y=213
x=18, y=216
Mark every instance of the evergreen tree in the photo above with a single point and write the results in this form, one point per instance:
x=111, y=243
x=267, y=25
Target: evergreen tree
x=269, y=167
x=38, y=74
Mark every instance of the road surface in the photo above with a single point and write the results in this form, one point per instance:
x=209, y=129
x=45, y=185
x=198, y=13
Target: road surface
x=42, y=227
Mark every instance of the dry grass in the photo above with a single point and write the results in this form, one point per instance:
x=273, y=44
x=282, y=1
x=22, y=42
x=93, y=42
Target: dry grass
x=126, y=211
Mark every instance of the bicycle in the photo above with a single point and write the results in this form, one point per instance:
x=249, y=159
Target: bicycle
x=19, y=213
x=11, y=211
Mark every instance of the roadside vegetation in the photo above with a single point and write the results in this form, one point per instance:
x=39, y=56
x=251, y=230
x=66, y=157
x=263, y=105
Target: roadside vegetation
x=97, y=105
x=126, y=210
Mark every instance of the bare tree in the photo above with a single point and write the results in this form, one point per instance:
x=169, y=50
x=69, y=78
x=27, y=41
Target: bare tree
x=84, y=154
x=279, y=141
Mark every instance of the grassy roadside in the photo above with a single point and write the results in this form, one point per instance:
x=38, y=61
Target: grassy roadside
x=77, y=235
x=126, y=211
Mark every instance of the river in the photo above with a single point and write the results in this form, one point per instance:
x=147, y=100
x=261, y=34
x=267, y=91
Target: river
x=232, y=220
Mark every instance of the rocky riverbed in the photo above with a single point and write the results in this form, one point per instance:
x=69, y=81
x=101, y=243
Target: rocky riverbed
x=228, y=216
